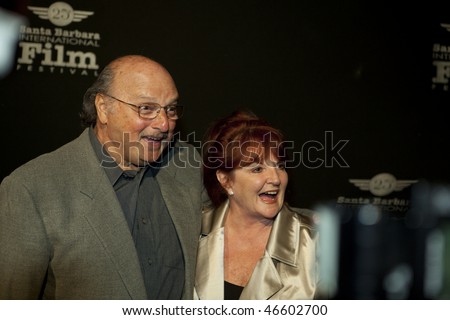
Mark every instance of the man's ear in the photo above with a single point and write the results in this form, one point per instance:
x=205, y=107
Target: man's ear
x=224, y=181
x=100, y=105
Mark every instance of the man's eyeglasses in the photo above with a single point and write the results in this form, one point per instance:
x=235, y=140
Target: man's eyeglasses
x=150, y=111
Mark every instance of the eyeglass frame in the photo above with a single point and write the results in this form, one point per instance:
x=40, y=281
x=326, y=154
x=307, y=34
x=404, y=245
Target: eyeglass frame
x=139, y=108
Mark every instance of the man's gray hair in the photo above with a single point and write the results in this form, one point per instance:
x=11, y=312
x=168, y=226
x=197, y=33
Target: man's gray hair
x=103, y=83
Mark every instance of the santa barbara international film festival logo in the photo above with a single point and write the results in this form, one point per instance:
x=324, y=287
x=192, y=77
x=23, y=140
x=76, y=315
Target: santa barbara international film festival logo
x=441, y=62
x=58, y=49
x=380, y=186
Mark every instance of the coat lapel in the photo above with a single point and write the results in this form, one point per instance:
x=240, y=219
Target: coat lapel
x=283, y=244
x=264, y=282
x=105, y=216
x=209, y=282
x=282, y=247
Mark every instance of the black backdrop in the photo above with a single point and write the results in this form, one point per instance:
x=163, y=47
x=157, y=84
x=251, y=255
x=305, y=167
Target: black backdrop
x=370, y=81
x=359, y=72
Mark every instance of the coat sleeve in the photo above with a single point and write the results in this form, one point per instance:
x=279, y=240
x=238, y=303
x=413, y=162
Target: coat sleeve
x=24, y=247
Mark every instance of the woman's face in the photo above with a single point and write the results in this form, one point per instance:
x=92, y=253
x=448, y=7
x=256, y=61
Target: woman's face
x=258, y=189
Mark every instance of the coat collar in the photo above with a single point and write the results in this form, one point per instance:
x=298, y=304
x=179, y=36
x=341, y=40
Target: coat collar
x=283, y=244
x=282, y=247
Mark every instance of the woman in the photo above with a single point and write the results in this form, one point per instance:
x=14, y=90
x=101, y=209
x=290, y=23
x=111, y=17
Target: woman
x=253, y=245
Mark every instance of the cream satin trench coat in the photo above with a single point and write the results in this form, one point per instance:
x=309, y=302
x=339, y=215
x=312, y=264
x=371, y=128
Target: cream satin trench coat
x=288, y=270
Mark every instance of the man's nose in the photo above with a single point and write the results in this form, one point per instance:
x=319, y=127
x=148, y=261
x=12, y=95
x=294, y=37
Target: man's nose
x=161, y=121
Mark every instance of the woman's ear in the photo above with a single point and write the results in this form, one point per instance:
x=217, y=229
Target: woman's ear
x=224, y=181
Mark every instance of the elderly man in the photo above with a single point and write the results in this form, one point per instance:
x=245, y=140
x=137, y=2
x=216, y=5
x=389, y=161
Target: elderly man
x=114, y=214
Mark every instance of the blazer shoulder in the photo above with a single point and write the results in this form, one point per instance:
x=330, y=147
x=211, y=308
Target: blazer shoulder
x=46, y=165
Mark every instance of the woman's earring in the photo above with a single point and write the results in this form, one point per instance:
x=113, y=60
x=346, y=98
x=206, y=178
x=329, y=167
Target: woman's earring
x=231, y=193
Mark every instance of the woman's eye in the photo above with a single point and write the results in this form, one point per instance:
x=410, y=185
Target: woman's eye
x=257, y=169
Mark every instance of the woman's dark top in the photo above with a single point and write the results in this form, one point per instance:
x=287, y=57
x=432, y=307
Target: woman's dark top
x=232, y=291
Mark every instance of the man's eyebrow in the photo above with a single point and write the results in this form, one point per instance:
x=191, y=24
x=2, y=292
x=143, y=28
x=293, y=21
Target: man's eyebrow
x=147, y=99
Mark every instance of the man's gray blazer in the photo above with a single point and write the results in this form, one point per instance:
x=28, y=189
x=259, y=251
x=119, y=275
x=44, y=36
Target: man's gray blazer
x=63, y=234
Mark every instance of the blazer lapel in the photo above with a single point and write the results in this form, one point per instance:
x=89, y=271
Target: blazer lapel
x=178, y=201
x=179, y=197
x=105, y=216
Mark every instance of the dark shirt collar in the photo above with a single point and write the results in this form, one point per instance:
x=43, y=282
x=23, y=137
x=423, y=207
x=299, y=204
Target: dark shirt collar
x=112, y=169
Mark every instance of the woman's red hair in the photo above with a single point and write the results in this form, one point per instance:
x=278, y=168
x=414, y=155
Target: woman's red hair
x=237, y=141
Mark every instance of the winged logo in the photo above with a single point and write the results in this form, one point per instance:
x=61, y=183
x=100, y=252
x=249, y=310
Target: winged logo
x=382, y=184
x=446, y=26
x=60, y=13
